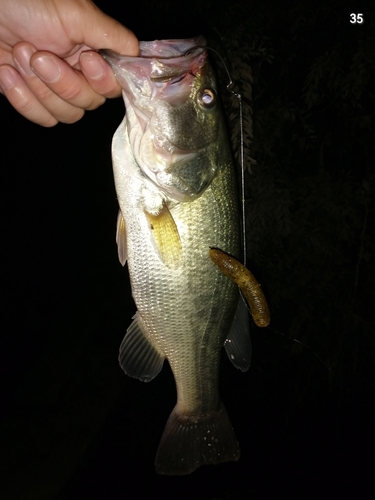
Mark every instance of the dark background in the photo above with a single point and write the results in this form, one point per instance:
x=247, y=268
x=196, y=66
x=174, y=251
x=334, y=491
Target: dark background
x=72, y=424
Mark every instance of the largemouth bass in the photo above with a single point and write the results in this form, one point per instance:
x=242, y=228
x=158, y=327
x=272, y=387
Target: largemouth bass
x=176, y=189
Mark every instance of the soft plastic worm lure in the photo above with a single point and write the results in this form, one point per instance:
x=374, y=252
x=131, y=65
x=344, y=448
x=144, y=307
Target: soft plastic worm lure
x=248, y=285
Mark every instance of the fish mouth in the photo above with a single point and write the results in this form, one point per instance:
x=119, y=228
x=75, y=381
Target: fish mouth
x=160, y=66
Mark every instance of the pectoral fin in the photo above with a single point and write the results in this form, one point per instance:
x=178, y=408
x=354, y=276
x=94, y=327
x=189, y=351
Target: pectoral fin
x=238, y=342
x=121, y=239
x=138, y=357
x=165, y=236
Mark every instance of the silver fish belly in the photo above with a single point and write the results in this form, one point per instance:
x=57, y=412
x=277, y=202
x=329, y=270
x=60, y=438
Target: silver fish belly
x=176, y=190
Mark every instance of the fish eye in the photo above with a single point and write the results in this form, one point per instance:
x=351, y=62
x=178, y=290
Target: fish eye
x=206, y=98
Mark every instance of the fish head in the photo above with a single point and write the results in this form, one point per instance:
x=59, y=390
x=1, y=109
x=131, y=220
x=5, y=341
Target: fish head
x=172, y=113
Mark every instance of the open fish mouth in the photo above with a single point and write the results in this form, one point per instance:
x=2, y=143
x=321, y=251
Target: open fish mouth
x=160, y=65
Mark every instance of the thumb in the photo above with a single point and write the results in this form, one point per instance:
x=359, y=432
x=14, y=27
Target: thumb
x=92, y=27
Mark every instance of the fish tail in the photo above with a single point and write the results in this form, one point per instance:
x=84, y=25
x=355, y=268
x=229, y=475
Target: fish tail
x=189, y=441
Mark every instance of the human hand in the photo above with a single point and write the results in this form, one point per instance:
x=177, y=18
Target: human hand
x=49, y=70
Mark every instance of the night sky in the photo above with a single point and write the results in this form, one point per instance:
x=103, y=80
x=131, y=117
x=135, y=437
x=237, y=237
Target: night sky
x=72, y=424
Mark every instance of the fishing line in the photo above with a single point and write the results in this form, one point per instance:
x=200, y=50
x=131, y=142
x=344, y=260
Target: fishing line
x=238, y=95
x=304, y=345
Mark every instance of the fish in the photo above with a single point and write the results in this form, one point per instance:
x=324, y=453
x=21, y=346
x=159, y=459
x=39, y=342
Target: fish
x=177, y=193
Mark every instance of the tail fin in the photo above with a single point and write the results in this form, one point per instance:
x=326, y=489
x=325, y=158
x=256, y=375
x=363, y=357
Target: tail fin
x=189, y=441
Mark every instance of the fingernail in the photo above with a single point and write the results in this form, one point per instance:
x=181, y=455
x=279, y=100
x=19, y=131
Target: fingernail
x=7, y=78
x=47, y=69
x=22, y=56
x=92, y=66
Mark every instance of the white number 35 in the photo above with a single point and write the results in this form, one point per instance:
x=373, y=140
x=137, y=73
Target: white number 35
x=356, y=18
